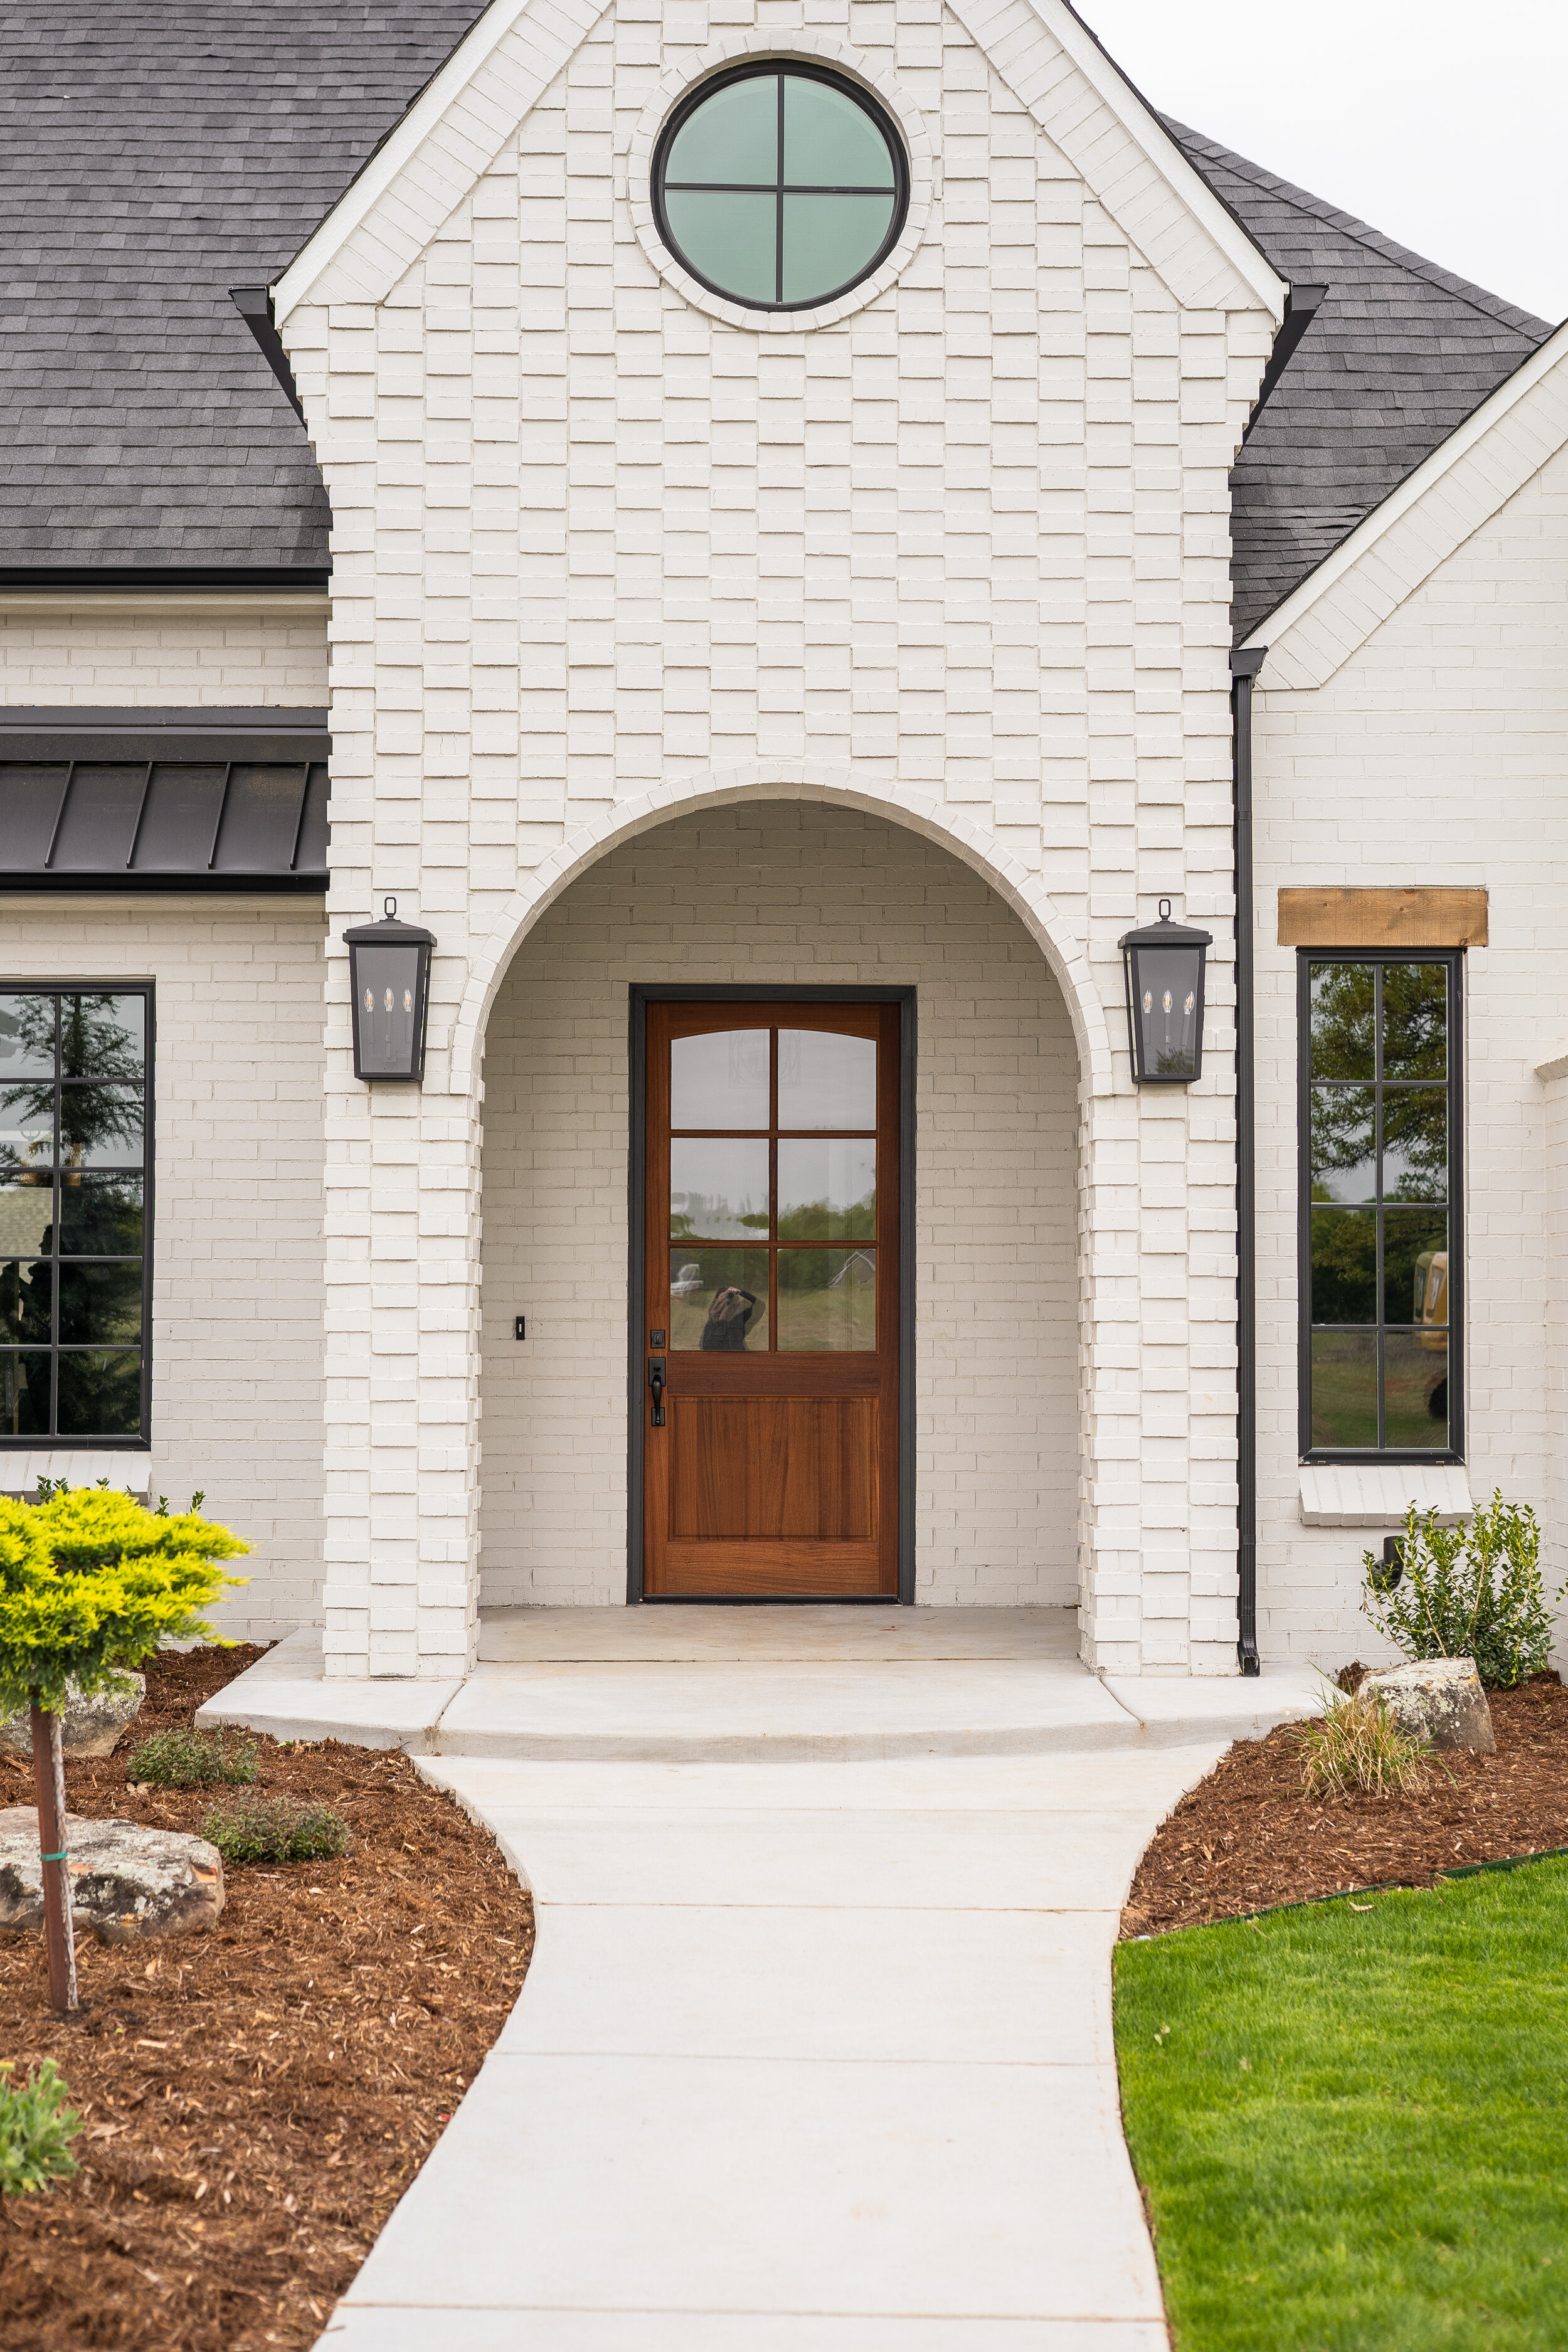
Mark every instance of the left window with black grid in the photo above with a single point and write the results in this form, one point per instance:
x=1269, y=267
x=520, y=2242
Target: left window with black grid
x=75, y=1075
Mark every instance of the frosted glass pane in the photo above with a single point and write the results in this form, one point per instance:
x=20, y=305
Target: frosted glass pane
x=831, y=142
x=733, y=135
x=728, y=239
x=829, y=241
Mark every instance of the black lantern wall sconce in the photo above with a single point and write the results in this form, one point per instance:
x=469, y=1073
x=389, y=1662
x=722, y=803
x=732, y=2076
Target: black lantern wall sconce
x=1163, y=964
x=389, y=973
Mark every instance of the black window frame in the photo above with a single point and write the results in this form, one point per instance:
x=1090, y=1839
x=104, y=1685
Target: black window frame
x=804, y=69
x=53, y=1442
x=1453, y=960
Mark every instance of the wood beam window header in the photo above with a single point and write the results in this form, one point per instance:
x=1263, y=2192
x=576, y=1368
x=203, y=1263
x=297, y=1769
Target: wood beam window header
x=1450, y=916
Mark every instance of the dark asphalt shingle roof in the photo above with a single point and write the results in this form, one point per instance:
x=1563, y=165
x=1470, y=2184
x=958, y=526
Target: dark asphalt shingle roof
x=152, y=155
x=155, y=153
x=1400, y=353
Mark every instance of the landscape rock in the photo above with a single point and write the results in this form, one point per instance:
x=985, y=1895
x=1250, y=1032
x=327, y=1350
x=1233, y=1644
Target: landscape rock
x=126, y=1882
x=1439, y=1699
x=92, y=1724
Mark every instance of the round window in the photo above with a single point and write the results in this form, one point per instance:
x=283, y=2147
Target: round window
x=781, y=186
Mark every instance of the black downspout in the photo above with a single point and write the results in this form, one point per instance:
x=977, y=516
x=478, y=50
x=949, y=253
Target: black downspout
x=1244, y=664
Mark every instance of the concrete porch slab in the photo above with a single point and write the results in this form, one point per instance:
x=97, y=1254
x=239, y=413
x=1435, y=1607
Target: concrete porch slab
x=286, y=1696
x=674, y=1632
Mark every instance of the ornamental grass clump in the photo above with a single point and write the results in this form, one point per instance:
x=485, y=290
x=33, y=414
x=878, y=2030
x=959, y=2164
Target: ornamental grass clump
x=273, y=1830
x=193, y=1759
x=36, y=2129
x=1359, y=1744
x=1474, y=1590
x=91, y=1581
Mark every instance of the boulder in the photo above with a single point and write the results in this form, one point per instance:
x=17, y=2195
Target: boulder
x=92, y=1723
x=126, y=1881
x=1439, y=1699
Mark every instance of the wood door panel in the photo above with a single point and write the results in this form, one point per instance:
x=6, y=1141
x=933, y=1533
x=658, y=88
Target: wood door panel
x=773, y=1468
x=761, y=1467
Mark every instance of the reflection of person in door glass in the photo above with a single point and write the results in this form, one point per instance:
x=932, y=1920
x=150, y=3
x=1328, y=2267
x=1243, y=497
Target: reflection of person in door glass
x=728, y=1317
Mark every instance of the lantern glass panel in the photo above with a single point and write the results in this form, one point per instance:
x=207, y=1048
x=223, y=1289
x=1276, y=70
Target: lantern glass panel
x=387, y=1009
x=1167, y=1009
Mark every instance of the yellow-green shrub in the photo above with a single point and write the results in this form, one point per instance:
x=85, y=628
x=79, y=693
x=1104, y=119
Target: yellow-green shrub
x=91, y=1580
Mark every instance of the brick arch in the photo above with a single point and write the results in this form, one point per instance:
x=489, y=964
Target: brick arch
x=1021, y=891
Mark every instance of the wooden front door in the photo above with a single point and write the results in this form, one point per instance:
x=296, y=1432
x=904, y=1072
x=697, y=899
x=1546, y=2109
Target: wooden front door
x=770, y=1408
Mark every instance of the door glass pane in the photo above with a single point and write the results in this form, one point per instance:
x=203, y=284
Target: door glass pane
x=827, y=1190
x=720, y=1079
x=718, y=1188
x=826, y=1080
x=731, y=240
x=102, y=1036
x=27, y=1038
x=101, y=1395
x=24, y=1394
x=1414, y=1020
x=829, y=241
x=100, y=1302
x=731, y=137
x=1344, y=1266
x=827, y=1299
x=1415, y=1389
x=1415, y=1143
x=1344, y=1388
x=101, y=1216
x=27, y=1214
x=27, y=1292
x=1343, y=1027
x=100, y=1127
x=829, y=141
x=719, y=1300
x=1415, y=1266
x=1344, y=1159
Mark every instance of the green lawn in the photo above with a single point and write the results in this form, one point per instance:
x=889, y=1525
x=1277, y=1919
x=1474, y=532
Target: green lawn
x=1355, y=2131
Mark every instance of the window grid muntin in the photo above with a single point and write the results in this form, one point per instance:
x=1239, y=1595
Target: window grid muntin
x=778, y=187
x=54, y=1440
x=1378, y=960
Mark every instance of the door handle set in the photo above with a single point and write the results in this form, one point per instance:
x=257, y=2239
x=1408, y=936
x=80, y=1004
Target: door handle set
x=656, y=1382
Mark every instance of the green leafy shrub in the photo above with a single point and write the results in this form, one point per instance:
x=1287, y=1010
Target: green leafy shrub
x=193, y=1759
x=92, y=1581
x=275, y=1829
x=36, y=2129
x=1359, y=1744
x=1470, y=1591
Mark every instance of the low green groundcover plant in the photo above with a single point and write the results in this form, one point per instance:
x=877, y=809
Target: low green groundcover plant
x=274, y=1829
x=36, y=2129
x=181, y=1759
x=1350, y=2120
x=1474, y=1590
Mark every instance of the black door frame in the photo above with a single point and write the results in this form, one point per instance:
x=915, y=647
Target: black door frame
x=641, y=998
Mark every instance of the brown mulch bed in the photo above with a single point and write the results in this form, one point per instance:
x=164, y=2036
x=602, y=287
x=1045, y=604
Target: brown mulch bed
x=1247, y=1837
x=254, y=2099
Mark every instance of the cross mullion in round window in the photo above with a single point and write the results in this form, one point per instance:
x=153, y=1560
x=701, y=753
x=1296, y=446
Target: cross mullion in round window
x=780, y=186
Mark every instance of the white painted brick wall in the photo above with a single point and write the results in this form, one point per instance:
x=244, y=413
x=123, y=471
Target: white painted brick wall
x=962, y=556
x=237, y=1271
x=120, y=651
x=779, y=894
x=1434, y=755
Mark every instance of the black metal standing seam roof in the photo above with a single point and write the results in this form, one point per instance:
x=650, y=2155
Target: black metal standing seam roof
x=152, y=155
x=1399, y=354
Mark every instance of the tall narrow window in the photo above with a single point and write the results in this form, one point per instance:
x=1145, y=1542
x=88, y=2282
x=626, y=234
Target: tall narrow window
x=75, y=1114
x=1381, y=1278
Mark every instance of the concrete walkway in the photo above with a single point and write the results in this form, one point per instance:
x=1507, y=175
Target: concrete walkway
x=814, y=2051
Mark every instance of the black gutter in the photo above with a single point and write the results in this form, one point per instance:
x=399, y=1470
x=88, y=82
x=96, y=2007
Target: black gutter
x=1244, y=664
x=254, y=304
x=1300, y=308
x=164, y=578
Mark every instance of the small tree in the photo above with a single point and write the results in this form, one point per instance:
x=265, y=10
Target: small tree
x=91, y=1581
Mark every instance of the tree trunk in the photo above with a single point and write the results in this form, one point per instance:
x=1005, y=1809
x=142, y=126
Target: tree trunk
x=49, y=1775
